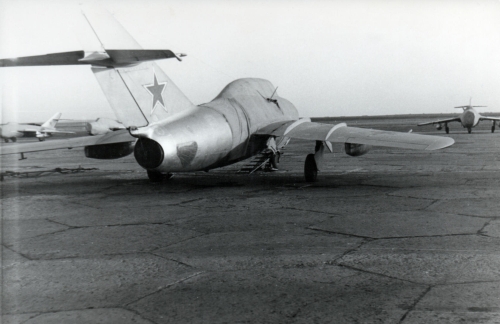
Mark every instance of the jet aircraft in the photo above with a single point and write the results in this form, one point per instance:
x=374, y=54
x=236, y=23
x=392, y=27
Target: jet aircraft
x=11, y=131
x=102, y=126
x=167, y=133
x=468, y=118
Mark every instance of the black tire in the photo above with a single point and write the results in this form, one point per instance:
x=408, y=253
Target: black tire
x=13, y=139
x=447, y=130
x=155, y=176
x=6, y=140
x=310, y=169
x=469, y=130
x=493, y=128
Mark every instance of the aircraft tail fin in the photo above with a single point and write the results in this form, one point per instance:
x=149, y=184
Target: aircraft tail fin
x=51, y=123
x=138, y=94
x=141, y=94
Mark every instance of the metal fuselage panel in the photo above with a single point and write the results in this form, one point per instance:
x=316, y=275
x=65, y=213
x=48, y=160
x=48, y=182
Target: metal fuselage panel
x=9, y=131
x=469, y=118
x=220, y=132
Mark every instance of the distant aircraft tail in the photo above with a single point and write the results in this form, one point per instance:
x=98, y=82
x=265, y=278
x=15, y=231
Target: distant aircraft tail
x=51, y=123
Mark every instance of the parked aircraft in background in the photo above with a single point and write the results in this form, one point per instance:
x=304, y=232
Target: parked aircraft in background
x=102, y=126
x=167, y=133
x=469, y=118
x=11, y=131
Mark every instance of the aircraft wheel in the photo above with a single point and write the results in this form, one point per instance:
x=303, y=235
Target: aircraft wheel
x=41, y=139
x=155, y=176
x=447, y=129
x=310, y=169
x=493, y=128
x=469, y=130
x=6, y=140
x=13, y=139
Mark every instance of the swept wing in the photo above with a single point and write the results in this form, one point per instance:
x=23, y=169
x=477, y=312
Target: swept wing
x=455, y=119
x=489, y=118
x=341, y=133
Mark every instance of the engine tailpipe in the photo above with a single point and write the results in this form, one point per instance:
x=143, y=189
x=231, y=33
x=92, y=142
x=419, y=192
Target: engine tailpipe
x=356, y=149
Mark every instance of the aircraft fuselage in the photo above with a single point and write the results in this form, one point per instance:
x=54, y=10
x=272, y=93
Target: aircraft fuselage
x=469, y=118
x=214, y=134
x=9, y=132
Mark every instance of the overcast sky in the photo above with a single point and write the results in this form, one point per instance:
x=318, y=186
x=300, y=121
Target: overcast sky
x=330, y=58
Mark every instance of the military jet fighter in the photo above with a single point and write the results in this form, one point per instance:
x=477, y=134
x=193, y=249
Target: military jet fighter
x=469, y=118
x=168, y=133
x=11, y=131
x=102, y=126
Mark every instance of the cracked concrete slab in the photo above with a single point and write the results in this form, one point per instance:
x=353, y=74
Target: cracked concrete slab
x=444, y=194
x=15, y=230
x=91, y=241
x=79, y=283
x=492, y=229
x=109, y=215
x=104, y=316
x=401, y=224
x=38, y=207
x=249, y=220
x=259, y=249
x=467, y=303
x=308, y=295
x=430, y=260
x=484, y=207
x=452, y=317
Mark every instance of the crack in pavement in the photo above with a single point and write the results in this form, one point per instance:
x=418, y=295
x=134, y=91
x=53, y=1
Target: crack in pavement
x=167, y=286
x=412, y=307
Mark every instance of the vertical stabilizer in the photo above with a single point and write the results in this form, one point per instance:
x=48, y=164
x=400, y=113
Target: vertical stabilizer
x=51, y=123
x=139, y=94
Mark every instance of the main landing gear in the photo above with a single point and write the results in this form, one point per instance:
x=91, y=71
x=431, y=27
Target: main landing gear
x=155, y=176
x=314, y=161
x=447, y=129
x=310, y=169
x=469, y=130
x=493, y=127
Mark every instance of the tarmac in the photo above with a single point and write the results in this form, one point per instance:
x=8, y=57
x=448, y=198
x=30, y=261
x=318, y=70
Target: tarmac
x=394, y=236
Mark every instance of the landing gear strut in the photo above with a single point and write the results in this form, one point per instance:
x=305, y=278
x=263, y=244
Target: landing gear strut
x=493, y=127
x=310, y=169
x=469, y=130
x=155, y=176
x=314, y=161
x=447, y=129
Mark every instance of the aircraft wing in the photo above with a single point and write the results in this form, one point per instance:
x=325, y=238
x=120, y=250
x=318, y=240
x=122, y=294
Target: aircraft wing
x=489, y=118
x=457, y=119
x=34, y=129
x=120, y=136
x=341, y=133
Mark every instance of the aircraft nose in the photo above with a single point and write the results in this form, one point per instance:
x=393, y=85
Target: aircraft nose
x=468, y=119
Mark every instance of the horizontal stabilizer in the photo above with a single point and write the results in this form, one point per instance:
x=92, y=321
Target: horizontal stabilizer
x=108, y=58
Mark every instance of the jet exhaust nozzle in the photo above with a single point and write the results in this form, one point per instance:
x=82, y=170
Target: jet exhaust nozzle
x=148, y=153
